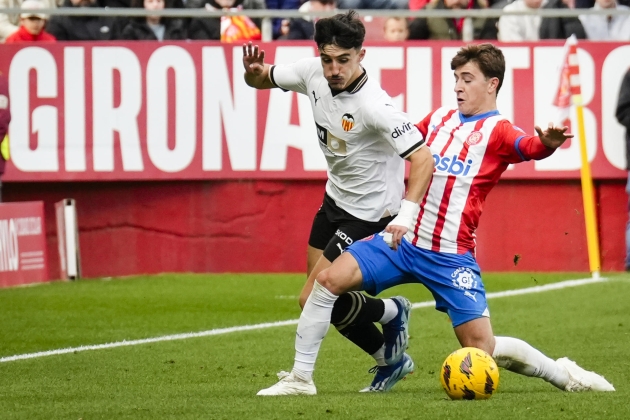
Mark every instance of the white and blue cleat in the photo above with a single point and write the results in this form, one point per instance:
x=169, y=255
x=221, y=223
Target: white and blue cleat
x=387, y=376
x=396, y=332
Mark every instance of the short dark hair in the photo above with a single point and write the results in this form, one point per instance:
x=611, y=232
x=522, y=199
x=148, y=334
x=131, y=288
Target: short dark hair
x=489, y=58
x=344, y=30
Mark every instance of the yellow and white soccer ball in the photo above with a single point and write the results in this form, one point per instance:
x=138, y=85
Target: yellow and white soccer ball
x=469, y=374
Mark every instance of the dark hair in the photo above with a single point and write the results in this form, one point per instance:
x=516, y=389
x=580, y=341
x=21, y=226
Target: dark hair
x=488, y=57
x=344, y=30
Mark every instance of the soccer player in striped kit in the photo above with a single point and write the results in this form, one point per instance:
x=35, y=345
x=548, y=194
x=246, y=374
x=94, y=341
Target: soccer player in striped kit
x=471, y=146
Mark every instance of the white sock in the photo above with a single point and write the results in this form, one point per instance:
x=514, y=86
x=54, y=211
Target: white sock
x=311, y=330
x=379, y=356
x=391, y=310
x=520, y=357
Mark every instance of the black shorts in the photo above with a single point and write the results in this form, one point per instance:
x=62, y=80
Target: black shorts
x=334, y=229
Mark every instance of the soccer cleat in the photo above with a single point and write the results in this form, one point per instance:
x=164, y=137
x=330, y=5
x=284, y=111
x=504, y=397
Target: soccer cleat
x=396, y=332
x=289, y=384
x=387, y=376
x=583, y=380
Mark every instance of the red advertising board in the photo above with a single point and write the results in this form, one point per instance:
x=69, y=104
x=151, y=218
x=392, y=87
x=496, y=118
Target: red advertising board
x=23, y=257
x=151, y=110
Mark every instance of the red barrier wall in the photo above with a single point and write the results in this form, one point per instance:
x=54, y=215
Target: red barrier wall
x=262, y=226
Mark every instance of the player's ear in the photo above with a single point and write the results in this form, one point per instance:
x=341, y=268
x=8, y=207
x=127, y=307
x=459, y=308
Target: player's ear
x=361, y=54
x=493, y=85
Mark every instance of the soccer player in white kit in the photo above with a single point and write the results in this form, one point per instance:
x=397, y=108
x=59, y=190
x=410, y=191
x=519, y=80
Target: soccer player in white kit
x=471, y=146
x=364, y=139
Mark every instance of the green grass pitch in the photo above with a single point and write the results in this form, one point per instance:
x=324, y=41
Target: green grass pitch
x=217, y=377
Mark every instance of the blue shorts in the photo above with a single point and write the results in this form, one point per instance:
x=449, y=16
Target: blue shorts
x=453, y=279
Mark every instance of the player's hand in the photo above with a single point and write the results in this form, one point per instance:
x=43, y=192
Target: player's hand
x=253, y=59
x=393, y=235
x=553, y=137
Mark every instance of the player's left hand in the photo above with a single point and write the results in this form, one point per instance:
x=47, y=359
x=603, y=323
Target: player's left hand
x=553, y=137
x=395, y=236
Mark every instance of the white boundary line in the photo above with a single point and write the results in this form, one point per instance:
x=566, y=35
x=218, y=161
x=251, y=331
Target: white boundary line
x=219, y=331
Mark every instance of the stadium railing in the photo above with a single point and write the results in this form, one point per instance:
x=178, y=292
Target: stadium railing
x=267, y=14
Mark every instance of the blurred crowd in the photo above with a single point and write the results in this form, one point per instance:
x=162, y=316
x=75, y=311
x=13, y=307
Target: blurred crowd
x=32, y=25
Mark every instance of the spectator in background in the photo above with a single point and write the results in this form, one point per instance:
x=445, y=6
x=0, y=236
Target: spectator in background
x=396, y=29
x=5, y=118
x=9, y=23
x=587, y=4
x=151, y=27
x=373, y=4
x=447, y=28
x=304, y=28
x=612, y=27
x=561, y=28
x=623, y=116
x=515, y=28
x=31, y=24
x=83, y=28
x=280, y=26
x=227, y=29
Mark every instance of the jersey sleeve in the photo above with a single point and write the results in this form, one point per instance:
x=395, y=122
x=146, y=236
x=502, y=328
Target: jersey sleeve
x=515, y=146
x=293, y=76
x=397, y=129
x=423, y=126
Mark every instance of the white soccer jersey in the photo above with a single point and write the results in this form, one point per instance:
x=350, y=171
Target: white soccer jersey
x=362, y=135
x=470, y=155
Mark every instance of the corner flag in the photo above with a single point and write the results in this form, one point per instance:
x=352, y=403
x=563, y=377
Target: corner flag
x=570, y=93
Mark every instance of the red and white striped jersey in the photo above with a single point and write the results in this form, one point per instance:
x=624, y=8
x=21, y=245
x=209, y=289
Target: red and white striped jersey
x=470, y=155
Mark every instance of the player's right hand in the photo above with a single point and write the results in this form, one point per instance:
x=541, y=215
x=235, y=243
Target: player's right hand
x=253, y=59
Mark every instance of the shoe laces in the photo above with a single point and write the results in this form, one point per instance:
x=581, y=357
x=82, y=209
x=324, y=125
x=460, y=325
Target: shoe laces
x=282, y=374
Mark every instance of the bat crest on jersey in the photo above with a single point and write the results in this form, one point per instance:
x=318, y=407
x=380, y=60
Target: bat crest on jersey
x=474, y=138
x=347, y=122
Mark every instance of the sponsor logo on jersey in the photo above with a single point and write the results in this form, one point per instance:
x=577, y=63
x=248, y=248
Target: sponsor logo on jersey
x=316, y=98
x=474, y=138
x=347, y=122
x=452, y=165
x=464, y=278
x=335, y=145
x=405, y=128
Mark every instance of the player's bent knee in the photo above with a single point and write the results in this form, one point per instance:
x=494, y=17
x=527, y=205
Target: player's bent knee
x=331, y=282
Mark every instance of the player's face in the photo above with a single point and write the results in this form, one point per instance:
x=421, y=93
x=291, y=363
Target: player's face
x=476, y=94
x=341, y=66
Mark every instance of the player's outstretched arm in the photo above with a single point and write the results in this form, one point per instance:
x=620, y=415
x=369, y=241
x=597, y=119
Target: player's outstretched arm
x=553, y=137
x=256, y=71
x=420, y=173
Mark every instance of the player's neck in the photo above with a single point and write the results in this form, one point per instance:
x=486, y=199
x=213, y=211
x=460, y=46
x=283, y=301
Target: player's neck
x=356, y=75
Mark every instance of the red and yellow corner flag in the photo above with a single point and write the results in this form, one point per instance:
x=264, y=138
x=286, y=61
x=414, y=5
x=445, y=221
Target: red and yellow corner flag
x=570, y=93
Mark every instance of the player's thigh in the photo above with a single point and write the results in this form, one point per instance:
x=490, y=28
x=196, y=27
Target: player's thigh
x=476, y=333
x=381, y=267
x=312, y=257
x=455, y=282
x=344, y=275
x=349, y=231
x=322, y=229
